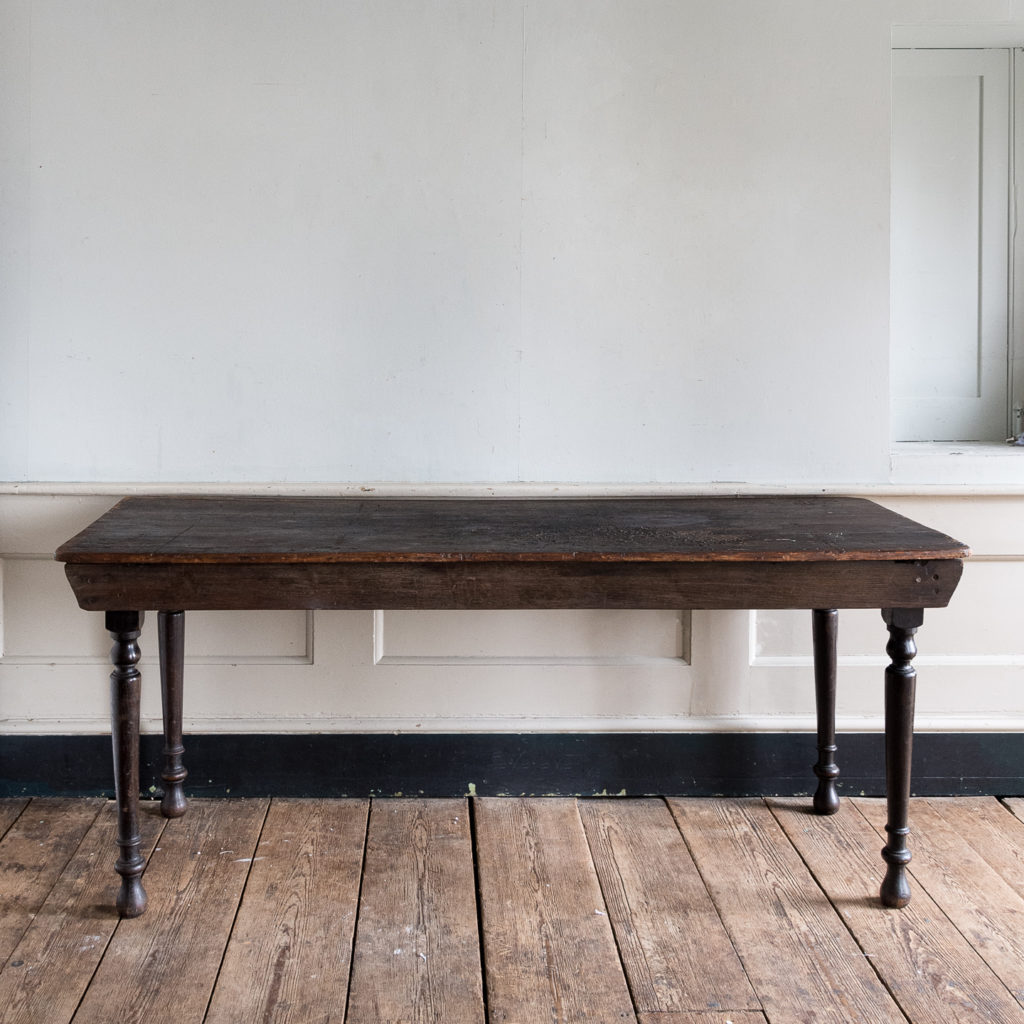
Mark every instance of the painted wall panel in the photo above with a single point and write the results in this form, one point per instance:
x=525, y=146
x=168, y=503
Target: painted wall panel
x=950, y=254
x=601, y=637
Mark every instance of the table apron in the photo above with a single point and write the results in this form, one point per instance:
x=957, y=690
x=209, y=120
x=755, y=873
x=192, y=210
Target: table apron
x=479, y=585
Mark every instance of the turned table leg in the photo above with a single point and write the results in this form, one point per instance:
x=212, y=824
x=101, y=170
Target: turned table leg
x=125, y=689
x=825, y=622
x=900, y=684
x=172, y=670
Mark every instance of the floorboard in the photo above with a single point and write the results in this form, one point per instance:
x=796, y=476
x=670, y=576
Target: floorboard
x=930, y=968
x=290, y=950
x=983, y=907
x=160, y=968
x=10, y=811
x=703, y=1017
x=801, y=958
x=667, y=933
x=51, y=967
x=548, y=946
x=34, y=852
x=1015, y=804
x=417, y=951
x=995, y=833
x=513, y=911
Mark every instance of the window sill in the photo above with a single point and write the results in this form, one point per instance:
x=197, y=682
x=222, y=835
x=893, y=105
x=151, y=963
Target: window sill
x=964, y=464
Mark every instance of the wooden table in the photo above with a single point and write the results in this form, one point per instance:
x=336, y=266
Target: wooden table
x=170, y=554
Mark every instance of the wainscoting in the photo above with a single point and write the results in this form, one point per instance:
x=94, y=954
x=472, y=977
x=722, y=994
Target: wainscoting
x=510, y=672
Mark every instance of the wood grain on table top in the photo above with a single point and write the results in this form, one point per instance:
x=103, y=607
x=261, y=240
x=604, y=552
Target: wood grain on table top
x=275, y=529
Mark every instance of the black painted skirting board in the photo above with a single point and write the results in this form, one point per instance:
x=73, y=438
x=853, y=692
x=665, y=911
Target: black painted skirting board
x=501, y=764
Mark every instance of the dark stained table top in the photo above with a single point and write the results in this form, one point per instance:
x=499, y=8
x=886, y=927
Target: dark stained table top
x=280, y=530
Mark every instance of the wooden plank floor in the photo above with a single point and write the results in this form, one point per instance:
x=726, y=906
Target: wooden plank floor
x=518, y=911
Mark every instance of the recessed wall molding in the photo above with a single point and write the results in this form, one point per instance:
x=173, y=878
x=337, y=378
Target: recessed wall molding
x=530, y=638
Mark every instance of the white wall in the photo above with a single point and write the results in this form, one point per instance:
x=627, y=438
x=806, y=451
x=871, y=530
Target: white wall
x=460, y=240
x=640, y=243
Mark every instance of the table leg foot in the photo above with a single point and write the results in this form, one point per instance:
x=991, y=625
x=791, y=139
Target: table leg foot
x=131, y=898
x=895, y=891
x=172, y=671
x=825, y=622
x=125, y=691
x=900, y=687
